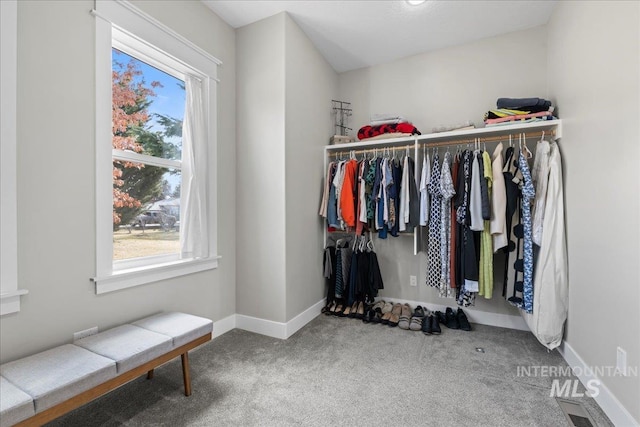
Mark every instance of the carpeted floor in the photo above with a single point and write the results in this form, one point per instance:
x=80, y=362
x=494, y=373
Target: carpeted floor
x=339, y=371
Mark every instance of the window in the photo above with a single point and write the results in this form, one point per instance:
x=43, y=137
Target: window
x=155, y=151
x=9, y=292
x=148, y=113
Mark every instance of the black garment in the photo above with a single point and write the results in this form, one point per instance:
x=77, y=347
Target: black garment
x=523, y=103
x=512, y=192
x=394, y=194
x=484, y=191
x=329, y=256
x=414, y=199
x=465, y=242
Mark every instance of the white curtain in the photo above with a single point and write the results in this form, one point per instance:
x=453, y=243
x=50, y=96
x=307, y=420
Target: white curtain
x=193, y=207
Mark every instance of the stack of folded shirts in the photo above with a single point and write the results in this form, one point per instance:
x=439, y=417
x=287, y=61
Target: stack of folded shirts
x=458, y=126
x=387, y=126
x=519, y=110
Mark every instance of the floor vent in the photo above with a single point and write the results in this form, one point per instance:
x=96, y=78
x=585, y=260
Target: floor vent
x=576, y=413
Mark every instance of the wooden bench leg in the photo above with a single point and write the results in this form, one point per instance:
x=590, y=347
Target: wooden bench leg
x=150, y=375
x=185, y=374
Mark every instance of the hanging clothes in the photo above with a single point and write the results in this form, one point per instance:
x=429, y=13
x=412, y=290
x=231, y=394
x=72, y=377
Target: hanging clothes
x=550, y=300
x=466, y=260
x=475, y=195
x=511, y=180
x=528, y=193
x=486, y=243
x=412, y=216
x=447, y=191
x=433, y=253
x=404, y=195
x=498, y=225
x=540, y=178
x=425, y=177
x=453, y=224
x=348, y=193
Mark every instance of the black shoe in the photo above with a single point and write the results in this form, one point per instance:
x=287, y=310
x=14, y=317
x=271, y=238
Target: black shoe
x=451, y=319
x=369, y=315
x=427, y=324
x=462, y=320
x=435, y=325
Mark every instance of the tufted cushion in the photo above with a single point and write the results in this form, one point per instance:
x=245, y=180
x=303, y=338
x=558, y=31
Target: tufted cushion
x=56, y=375
x=15, y=404
x=182, y=327
x=130, y=346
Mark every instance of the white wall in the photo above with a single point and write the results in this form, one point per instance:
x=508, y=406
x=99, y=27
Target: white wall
x=594, y=78
x=311, y=84
x=56, y=180
x=260, y=172
x=437, y=88
x=285, y=89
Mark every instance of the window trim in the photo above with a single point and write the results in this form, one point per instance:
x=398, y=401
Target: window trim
x=114, y=17
x=9, y=292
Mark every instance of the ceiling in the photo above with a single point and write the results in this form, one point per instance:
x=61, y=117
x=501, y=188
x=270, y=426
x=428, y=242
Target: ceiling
x=355, y=34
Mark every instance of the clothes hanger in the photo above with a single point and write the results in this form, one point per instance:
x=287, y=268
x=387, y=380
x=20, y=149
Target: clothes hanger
x=528, y=154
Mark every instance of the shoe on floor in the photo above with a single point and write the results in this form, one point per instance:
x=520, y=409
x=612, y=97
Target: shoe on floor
x=369, y=315
x=346, y=312
x=417, y=319
x=427, y=324
x=451, y=319
x=327, y=308
x=386, y=312
x=394, y=318
x=378, y=305
x=354, y=310
x=360, y=311
x=435, y=326
x=462, y=320
x=405, y=317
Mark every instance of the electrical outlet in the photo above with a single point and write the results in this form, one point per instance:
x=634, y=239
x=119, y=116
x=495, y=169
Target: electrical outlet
x=413, y=281
x=86, y=333
x=621, y=361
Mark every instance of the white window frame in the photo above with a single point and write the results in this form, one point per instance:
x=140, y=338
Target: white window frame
x=9, y=292
x=125, y=27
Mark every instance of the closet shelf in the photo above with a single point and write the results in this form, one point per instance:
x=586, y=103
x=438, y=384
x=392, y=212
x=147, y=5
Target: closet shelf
x=469, y=134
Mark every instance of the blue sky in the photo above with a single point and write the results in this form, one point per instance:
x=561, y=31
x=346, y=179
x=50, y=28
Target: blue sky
x=169, y=99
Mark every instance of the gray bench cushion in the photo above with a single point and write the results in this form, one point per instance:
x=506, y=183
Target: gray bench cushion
x=56, y=375
x=130, y=346
x=182, y=327
x=15, y=404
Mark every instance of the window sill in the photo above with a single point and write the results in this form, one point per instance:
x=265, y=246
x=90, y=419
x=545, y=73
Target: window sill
x=10, y=301
x=131, y=277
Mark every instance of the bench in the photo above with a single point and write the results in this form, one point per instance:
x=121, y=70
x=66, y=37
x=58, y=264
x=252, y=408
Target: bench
x=39, y=388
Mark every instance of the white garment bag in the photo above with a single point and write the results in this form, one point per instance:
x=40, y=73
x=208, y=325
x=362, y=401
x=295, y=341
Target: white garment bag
x=550, y=281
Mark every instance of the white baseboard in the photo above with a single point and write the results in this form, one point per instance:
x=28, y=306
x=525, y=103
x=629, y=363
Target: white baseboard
x=223, y=326
x=262, y=326
x=611, y=406
x=278, y=330
x=295, y=324
x=475, y=316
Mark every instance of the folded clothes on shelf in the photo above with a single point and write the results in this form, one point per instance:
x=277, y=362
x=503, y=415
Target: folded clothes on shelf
x=520, y=121
x=458, y=126
x=387, y=116
x=369, y=131
x=518, y=117
x=522, y=103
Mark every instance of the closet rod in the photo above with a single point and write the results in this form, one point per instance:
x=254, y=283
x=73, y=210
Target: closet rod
x=459, y=141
